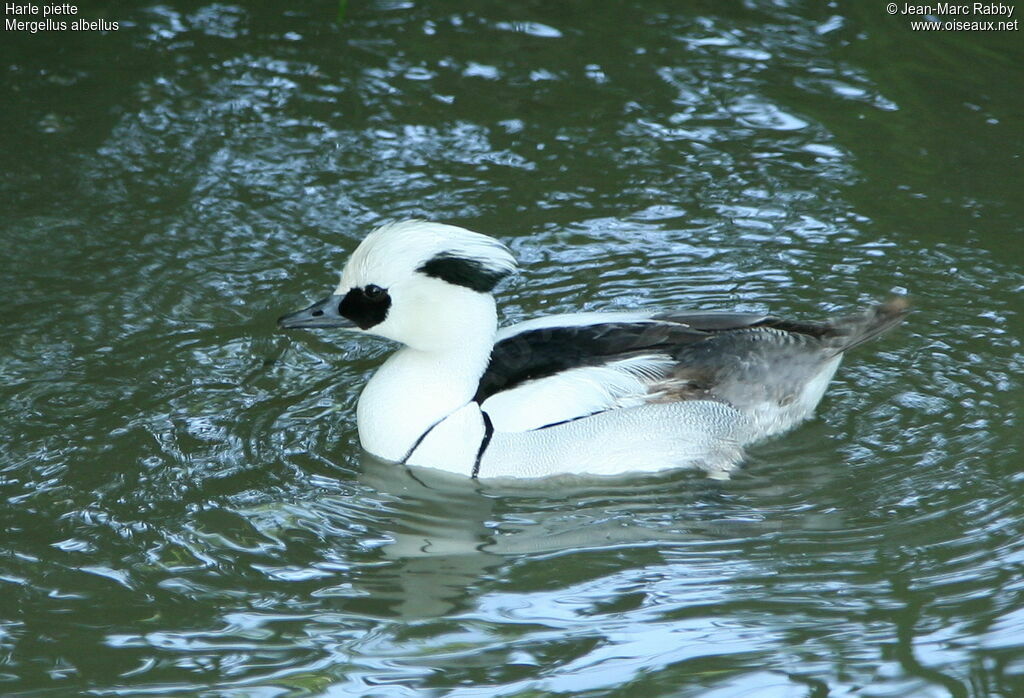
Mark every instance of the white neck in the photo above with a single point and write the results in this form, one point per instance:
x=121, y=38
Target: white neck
x=418, y=387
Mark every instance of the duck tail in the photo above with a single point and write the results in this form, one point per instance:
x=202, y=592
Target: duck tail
x=856, y=329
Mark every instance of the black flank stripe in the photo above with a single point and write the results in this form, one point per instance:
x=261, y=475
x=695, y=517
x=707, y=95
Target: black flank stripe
x=420, y=440
x=484, y=443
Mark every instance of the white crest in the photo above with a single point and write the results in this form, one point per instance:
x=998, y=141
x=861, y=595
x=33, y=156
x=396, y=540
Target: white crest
x=394, y=252
x=438, y=279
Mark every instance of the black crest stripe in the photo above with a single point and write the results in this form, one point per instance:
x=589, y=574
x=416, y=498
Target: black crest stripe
x=461, y=271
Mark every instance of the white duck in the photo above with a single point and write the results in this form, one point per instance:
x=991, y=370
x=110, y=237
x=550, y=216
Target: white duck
x=587, y=393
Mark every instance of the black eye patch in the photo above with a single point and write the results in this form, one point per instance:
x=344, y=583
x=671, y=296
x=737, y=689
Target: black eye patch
x=367, y=306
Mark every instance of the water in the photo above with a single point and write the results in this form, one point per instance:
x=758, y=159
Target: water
x=187, y=511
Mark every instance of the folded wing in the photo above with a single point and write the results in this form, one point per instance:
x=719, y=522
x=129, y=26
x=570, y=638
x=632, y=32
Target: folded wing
x=561, y=368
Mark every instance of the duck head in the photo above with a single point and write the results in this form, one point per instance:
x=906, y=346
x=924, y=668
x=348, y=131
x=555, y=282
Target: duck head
x=426, y=285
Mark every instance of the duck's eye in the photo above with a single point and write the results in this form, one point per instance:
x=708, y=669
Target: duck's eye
x=373, y=291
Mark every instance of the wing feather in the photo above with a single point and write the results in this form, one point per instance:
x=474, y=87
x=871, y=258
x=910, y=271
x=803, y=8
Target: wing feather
x=540, y=348
x=577, y=392
x=559, y=368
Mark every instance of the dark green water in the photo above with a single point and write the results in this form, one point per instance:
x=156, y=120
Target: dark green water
x=185, y=507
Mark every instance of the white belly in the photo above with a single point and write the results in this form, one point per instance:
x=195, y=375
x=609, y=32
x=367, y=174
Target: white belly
x=696, y=434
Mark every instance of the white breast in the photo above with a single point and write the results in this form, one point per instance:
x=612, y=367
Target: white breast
x=409, y=394
x=453, y=444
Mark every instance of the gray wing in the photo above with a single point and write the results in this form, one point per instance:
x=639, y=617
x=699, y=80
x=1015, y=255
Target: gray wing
x=772, y=369
x=772, y=362
x=541, y=352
